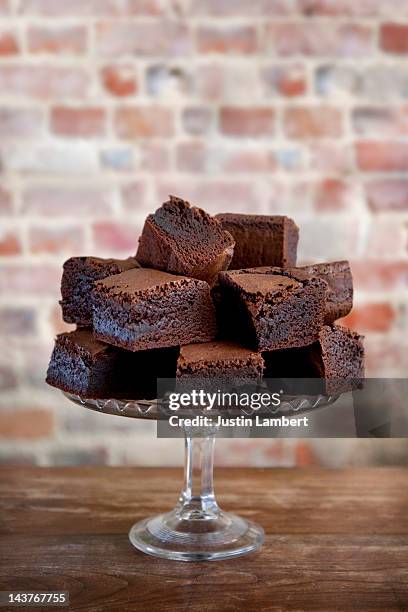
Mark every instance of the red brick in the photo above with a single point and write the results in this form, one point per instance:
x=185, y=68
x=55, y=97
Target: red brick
x=8, y=44
x=378, y=274
x=377, y=317
x=239, y=8
x=29, y=280
x=120, y=81
x=312, y=39
x=382, y=156
x=145, y=7
x=248, y=160
x=330, y=158
x=351, y=8
x=115, y=237
x=192, y=157
x=161, y=38
x=133, y=197
x=334, y=195
x=59, y=41
x=227, y=82
x=9, y=242
x=144, y=122
x=51, y=8
x=60, y=201
x=90, y=121
x=41, y=81
x=214, y=195
x=6, y=205
x=17, y=321
x=284, y=80
x=381, y=121
x=312, y=122
x=198, y=157
x=21, y=122
x=387, y=195
x=154, y=157
x=234, y=40
x=394, y=38
x=305, y=455
x=254, y=122
x=66, y=239
x=196, y=120
x=26, y=424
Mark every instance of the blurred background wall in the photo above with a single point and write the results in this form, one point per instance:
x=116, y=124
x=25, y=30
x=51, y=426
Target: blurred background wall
x=295, y=107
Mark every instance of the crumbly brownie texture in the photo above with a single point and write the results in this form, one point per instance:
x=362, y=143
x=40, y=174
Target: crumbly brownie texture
x=219, y=360
x=185, y=240
x=261, y=240
x=82, y=365
x=145, y=309
x=336, y=358
x=79, y=275
x=337, y=274
x=269, y=308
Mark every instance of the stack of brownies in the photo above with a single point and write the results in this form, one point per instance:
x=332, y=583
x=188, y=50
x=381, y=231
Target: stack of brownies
x=207, y=297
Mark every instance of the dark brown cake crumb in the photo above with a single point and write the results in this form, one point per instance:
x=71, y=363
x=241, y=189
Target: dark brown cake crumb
x=145, y=309
x=336, y=358
x=261, y=240
x=220, y=360
x=79, y=275
x=185, y=240
x=270, y=308
x=82, y=365
x=337, y=274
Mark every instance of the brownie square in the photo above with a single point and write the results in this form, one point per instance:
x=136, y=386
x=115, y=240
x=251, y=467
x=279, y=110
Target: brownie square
x=261, y=240
x=336, y=358
x=79, y=275
x=270, y=308
x=185, y=240
x=82, y=365
x=145, y=309
x=337, y=274
x=220, y=360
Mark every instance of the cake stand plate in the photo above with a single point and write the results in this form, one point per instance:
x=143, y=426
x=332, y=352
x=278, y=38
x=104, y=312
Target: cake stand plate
x=197, y=529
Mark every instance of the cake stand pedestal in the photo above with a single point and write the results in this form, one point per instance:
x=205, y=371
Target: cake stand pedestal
x=197, y=529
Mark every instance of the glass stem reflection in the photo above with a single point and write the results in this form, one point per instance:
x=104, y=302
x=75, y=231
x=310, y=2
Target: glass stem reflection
x=197, y=499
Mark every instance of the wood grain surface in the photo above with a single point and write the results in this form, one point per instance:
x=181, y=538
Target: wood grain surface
x=335, y=540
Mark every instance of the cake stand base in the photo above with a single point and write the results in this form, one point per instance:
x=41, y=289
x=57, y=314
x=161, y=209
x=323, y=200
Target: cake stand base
x=197, y=529
x=196, y=538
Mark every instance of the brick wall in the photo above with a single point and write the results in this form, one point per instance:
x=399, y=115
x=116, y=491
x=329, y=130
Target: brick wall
x=269, y=106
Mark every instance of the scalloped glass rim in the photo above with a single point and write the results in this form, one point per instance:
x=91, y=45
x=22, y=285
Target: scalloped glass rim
x=151, y=409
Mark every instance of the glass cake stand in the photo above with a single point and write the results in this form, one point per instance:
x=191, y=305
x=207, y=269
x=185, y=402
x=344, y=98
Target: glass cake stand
x=197, y=529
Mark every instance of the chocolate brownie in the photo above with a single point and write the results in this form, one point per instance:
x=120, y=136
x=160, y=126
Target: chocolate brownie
x=219, y=360
x=336, y=358
x=337, y=274
x=79, y=274
x=87, y=367
x=269, y=308
x=145, y=309
x=185, y=240
x=261, y=240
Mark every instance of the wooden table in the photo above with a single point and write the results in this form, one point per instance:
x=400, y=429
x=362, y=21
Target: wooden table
x=336, y=540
